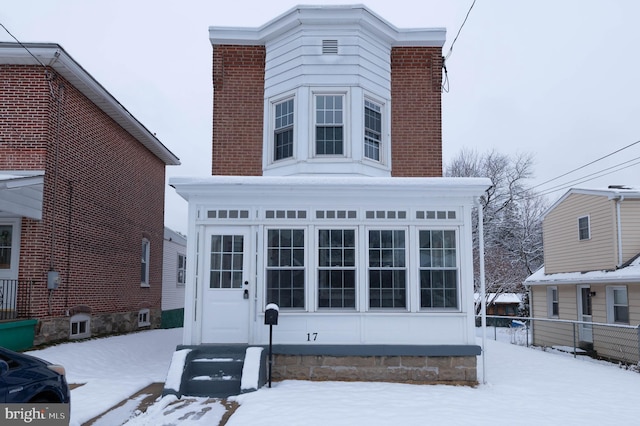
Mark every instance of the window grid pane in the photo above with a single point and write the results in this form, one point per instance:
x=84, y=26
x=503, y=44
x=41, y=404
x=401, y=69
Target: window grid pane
x=387, y=269
x=329, y=125
x=226, y=261
x=583, y=228
x=6, y=232
x=285, y=267
x=438, y=269
x=336, y=268
x=283, y=135
x=372, y=130
x=620, y=306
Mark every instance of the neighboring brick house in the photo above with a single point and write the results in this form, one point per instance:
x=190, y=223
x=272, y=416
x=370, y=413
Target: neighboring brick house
x=81, y=200
x=591, y=273
x=328, y=200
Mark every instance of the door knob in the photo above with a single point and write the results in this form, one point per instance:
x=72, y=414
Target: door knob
x=246, y=294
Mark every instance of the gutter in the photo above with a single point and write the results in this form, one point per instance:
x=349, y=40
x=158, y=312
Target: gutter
x=618, y=201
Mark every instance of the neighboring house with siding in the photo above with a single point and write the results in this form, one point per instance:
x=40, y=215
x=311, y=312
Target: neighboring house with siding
x=591, y=271
x=81, y=202
x=174, y=267
x=328, y=200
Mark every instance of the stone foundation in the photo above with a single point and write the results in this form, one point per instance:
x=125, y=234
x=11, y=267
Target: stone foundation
x=398, y=368
x=50, y=330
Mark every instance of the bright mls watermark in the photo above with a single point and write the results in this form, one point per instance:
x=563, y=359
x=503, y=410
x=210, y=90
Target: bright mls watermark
x=34, y=414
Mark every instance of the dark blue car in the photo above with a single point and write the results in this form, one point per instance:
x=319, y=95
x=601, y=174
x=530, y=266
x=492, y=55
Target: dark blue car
x=25, y=378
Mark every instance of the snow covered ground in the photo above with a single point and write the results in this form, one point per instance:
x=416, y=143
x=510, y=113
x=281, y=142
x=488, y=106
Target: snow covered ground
x=524, y=387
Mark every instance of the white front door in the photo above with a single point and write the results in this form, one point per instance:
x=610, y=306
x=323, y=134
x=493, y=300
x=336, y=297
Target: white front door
x=225, y=315
x=585, y=314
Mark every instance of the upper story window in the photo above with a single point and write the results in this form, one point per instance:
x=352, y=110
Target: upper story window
x=144, y=263
x=372, y=130
x=283, y=130
x=329, y=125
x=584, y=232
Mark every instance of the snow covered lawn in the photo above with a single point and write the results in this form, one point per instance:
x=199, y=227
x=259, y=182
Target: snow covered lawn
x=524, y=387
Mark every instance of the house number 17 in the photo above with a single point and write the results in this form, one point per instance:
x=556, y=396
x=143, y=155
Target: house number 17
x=312, y=337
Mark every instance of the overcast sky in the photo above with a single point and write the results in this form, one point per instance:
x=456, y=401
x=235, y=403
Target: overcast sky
x=559, y=79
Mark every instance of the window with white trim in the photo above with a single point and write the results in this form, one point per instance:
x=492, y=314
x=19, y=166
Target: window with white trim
x=286, y=268
x=387, y=269
x=617, y=305
x=438, y=269
x=144, y=263
x=144, y=319
x=283, y=130
x=80, y=326
x=6, y=242
x=552, y=302
x=227, y=254
x=329, y=125
x=182, y=270
x=336, y=268
x=372, y=130
x=584, y=233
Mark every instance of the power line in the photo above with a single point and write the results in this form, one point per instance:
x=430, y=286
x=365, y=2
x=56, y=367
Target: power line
x=460, y=29
x=586, y=165
x=23, y=46
x=599, y=175
x=445, y=82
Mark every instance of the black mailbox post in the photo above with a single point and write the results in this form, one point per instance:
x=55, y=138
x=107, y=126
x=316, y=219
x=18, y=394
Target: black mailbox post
x=271, y=319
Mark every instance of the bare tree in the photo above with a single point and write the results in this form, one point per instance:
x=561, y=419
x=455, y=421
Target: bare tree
x=512, y=217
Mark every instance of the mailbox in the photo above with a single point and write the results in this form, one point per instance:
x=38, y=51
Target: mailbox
x=271, y=314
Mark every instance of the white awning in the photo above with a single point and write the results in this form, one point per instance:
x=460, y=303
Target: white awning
x=21, y=194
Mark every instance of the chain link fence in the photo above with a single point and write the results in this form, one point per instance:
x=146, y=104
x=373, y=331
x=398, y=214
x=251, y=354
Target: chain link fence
x=612, y=342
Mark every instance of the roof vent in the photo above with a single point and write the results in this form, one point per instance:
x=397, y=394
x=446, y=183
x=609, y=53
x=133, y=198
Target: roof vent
x=329, y=47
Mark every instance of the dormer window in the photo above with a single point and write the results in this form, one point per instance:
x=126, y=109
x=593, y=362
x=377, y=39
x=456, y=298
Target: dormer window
x=372, y=130
x=329, y=125
x=283, y=133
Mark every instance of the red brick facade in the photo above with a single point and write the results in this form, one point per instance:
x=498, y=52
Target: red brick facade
x=416, y=123
x=238, y=85
x=103, y=193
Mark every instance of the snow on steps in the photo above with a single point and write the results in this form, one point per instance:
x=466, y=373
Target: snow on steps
x=215, y=371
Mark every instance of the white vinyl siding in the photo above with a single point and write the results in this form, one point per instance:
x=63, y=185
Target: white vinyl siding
x=174, y=245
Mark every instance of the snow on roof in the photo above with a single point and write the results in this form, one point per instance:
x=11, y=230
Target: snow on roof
x=626, y=274
x=502, y=298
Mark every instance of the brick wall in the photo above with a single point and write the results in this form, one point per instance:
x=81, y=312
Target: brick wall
x=416, y=116
x=103, y=192
x=238, y=85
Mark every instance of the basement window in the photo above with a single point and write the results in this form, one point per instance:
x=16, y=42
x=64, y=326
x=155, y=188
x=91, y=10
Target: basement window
x=144, y=318
x=80, y=326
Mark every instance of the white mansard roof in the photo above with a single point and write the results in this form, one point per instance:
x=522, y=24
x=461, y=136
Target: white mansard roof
x=341, y=16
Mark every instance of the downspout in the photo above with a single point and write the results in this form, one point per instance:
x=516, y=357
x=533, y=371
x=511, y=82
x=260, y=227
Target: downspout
x=483, y=299
x=619, y=200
